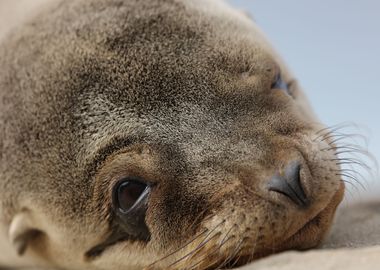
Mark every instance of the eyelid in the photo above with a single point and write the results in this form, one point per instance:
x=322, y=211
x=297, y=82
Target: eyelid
x=279, y=83
x=112, y=147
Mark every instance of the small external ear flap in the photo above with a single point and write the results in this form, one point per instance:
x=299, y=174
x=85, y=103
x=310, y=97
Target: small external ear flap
x=247, y=14
x=21, y=232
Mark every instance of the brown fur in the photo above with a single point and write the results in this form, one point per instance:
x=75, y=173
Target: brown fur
x=173, y=91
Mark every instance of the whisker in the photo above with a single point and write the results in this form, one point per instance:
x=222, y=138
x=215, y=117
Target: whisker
x=206, y=240
x=323, y=135
x=351, y=184
x=342, y=161
x=195, y=250
x=215, y=250
x=359, y=156
x=349, y=151
x=199, y=219
x=182, y=247
x=237, y=250
x=187, y=243
x=351, y=147
x=346, y=152
x=350, y=137
x=332, y=129
x=252, y=255
x=351, y=177
x=232, y=255
x=352, y=171
x=222, y=242
x=350, y=163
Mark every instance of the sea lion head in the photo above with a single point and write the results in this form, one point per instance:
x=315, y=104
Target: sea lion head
x=159, y=134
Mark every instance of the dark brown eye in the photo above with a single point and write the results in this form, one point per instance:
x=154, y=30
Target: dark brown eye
x=280, y=84
x=128, y=194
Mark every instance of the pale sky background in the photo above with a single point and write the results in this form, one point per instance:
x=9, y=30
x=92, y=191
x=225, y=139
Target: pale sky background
x=333, y=48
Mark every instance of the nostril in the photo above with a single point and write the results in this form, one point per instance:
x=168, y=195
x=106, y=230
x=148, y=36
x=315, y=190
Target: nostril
x=293, y=175
x=289, y=184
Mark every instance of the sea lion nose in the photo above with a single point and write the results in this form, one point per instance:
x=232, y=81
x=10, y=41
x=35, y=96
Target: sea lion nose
x=289, y=184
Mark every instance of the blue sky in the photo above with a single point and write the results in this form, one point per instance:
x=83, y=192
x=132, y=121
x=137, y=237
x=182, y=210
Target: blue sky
x=333, y=48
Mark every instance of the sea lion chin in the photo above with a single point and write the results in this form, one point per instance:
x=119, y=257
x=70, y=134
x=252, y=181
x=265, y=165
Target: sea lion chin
x=161, y=134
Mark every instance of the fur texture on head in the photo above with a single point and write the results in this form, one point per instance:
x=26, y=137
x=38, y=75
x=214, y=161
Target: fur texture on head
x=185, y=95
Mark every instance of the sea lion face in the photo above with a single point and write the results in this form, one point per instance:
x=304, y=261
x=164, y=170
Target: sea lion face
x=157, y=134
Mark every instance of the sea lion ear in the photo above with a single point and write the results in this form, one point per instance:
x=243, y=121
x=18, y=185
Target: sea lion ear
x=247, y=14
x=21, y=232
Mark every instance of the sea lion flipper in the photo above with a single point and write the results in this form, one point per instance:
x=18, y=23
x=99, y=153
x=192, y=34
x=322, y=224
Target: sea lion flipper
x=21, y=232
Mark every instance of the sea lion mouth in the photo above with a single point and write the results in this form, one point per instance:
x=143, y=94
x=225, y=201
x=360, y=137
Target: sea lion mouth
x=311, y=225
x=312, y=233
x=97, y=250
x=116, y=237
x=309, y=235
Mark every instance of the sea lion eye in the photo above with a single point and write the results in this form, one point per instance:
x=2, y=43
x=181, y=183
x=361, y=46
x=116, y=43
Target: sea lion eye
x=128, y=193
x=280, y=84
x=130, y=203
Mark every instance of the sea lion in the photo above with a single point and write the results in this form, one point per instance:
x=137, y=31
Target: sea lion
x=157, y=134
